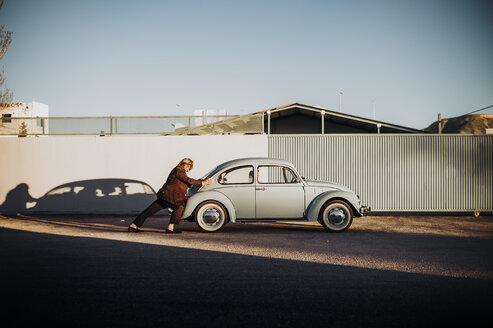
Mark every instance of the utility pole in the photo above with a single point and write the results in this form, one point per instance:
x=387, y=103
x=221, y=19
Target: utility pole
x=374, y=113
x=340, y=101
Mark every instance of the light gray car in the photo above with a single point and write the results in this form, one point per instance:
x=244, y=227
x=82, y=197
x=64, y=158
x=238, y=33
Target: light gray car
x=266, y=190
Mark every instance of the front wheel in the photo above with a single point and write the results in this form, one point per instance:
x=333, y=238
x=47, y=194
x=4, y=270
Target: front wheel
x=336, y=216
x=210, y=216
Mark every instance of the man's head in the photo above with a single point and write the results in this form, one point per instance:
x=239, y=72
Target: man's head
x=186, y=163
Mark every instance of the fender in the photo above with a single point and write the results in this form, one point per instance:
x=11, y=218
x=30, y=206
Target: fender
x=317, y=203
x=201, y=197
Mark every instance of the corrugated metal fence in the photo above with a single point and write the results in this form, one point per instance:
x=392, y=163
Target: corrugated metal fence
x=398, y=172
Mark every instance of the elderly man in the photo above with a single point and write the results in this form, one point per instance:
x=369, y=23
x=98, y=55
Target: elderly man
x=172, y=195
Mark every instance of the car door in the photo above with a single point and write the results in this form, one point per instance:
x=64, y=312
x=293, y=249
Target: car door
x=279, y=194
x=238, y=184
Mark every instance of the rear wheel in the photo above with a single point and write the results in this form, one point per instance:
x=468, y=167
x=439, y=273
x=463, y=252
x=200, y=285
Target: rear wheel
x=336, y=216
x=211, y=216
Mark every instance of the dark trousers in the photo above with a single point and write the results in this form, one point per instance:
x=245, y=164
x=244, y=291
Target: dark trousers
x=156, y=206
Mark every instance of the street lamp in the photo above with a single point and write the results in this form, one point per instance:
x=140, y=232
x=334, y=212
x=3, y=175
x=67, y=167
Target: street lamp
x=378, y=127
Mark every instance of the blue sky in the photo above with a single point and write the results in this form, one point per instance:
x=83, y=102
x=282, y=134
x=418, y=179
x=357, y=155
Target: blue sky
x=408, y=60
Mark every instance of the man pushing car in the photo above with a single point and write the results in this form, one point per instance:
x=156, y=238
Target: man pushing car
x=171, y=195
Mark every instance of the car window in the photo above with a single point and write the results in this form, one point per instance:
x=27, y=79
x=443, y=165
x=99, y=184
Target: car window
x=238, y=175
x=276, y=174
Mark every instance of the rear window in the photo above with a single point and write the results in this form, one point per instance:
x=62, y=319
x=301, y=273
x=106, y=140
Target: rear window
x=237, y=175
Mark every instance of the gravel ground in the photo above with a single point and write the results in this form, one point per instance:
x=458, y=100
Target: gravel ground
x=432, y=245
x=385, y=270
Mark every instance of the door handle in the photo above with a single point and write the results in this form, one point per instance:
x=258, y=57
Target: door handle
x=260, y=188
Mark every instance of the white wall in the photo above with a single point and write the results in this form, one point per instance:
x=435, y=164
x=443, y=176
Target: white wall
x=39, y=109
x=18, y=110
x=48, y=162
x=31, y=109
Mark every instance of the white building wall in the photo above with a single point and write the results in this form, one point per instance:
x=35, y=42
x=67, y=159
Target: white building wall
x=39, y=109
x=45, y=163
x=19, y=110
x=32, y=109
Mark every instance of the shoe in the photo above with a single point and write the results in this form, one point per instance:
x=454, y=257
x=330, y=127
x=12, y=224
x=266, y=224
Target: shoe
x=130, y=229
x=173, y=231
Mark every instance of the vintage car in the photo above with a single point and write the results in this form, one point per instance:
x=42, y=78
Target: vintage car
x=266, y=190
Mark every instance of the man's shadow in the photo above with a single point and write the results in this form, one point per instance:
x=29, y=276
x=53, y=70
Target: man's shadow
x=17, y=199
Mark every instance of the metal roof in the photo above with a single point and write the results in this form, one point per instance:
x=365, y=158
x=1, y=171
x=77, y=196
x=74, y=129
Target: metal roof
x=340, y=115
x=251, y=122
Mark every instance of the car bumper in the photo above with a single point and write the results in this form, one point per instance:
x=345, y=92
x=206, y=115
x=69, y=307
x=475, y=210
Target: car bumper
x=364, y=210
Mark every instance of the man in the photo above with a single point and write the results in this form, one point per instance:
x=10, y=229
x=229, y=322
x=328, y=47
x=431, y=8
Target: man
x=171, y=194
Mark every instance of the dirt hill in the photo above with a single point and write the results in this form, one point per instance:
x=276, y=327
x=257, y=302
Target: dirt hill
x=467, y=124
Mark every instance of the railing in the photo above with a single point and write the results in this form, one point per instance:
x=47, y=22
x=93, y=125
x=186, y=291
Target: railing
x=131, y=125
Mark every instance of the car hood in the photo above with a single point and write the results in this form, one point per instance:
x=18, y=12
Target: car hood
x=326, y=184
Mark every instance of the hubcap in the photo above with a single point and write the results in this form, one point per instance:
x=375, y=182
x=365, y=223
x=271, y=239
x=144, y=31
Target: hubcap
x=211, y=216
x=336, y=216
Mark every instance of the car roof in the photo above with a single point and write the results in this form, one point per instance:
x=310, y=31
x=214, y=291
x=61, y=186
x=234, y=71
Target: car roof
x=253, y=161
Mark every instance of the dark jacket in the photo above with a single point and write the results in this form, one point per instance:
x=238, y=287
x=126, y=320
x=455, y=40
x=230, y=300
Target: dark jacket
x=174, y=189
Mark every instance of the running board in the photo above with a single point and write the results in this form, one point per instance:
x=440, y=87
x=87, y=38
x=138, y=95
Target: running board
x=270, y=220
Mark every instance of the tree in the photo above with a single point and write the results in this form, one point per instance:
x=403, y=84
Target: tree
x=5, y=39
x=22, y=130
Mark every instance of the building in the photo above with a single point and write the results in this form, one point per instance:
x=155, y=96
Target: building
x=298, y=118
x=208, y=116
x=303, y=119
x=13, y=124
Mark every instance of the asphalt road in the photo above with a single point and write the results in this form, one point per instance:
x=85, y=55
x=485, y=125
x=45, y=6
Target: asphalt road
x=384, y=271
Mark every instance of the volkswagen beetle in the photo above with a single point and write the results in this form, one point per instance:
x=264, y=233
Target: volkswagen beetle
x=269, y=190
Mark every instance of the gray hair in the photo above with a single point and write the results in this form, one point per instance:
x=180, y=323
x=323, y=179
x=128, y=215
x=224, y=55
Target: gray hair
x=186, y=161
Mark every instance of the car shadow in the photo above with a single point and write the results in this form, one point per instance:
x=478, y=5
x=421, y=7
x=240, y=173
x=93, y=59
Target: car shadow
x=95, y=196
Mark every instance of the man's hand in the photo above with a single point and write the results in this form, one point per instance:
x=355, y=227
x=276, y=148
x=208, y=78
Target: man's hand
x=207, y=182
